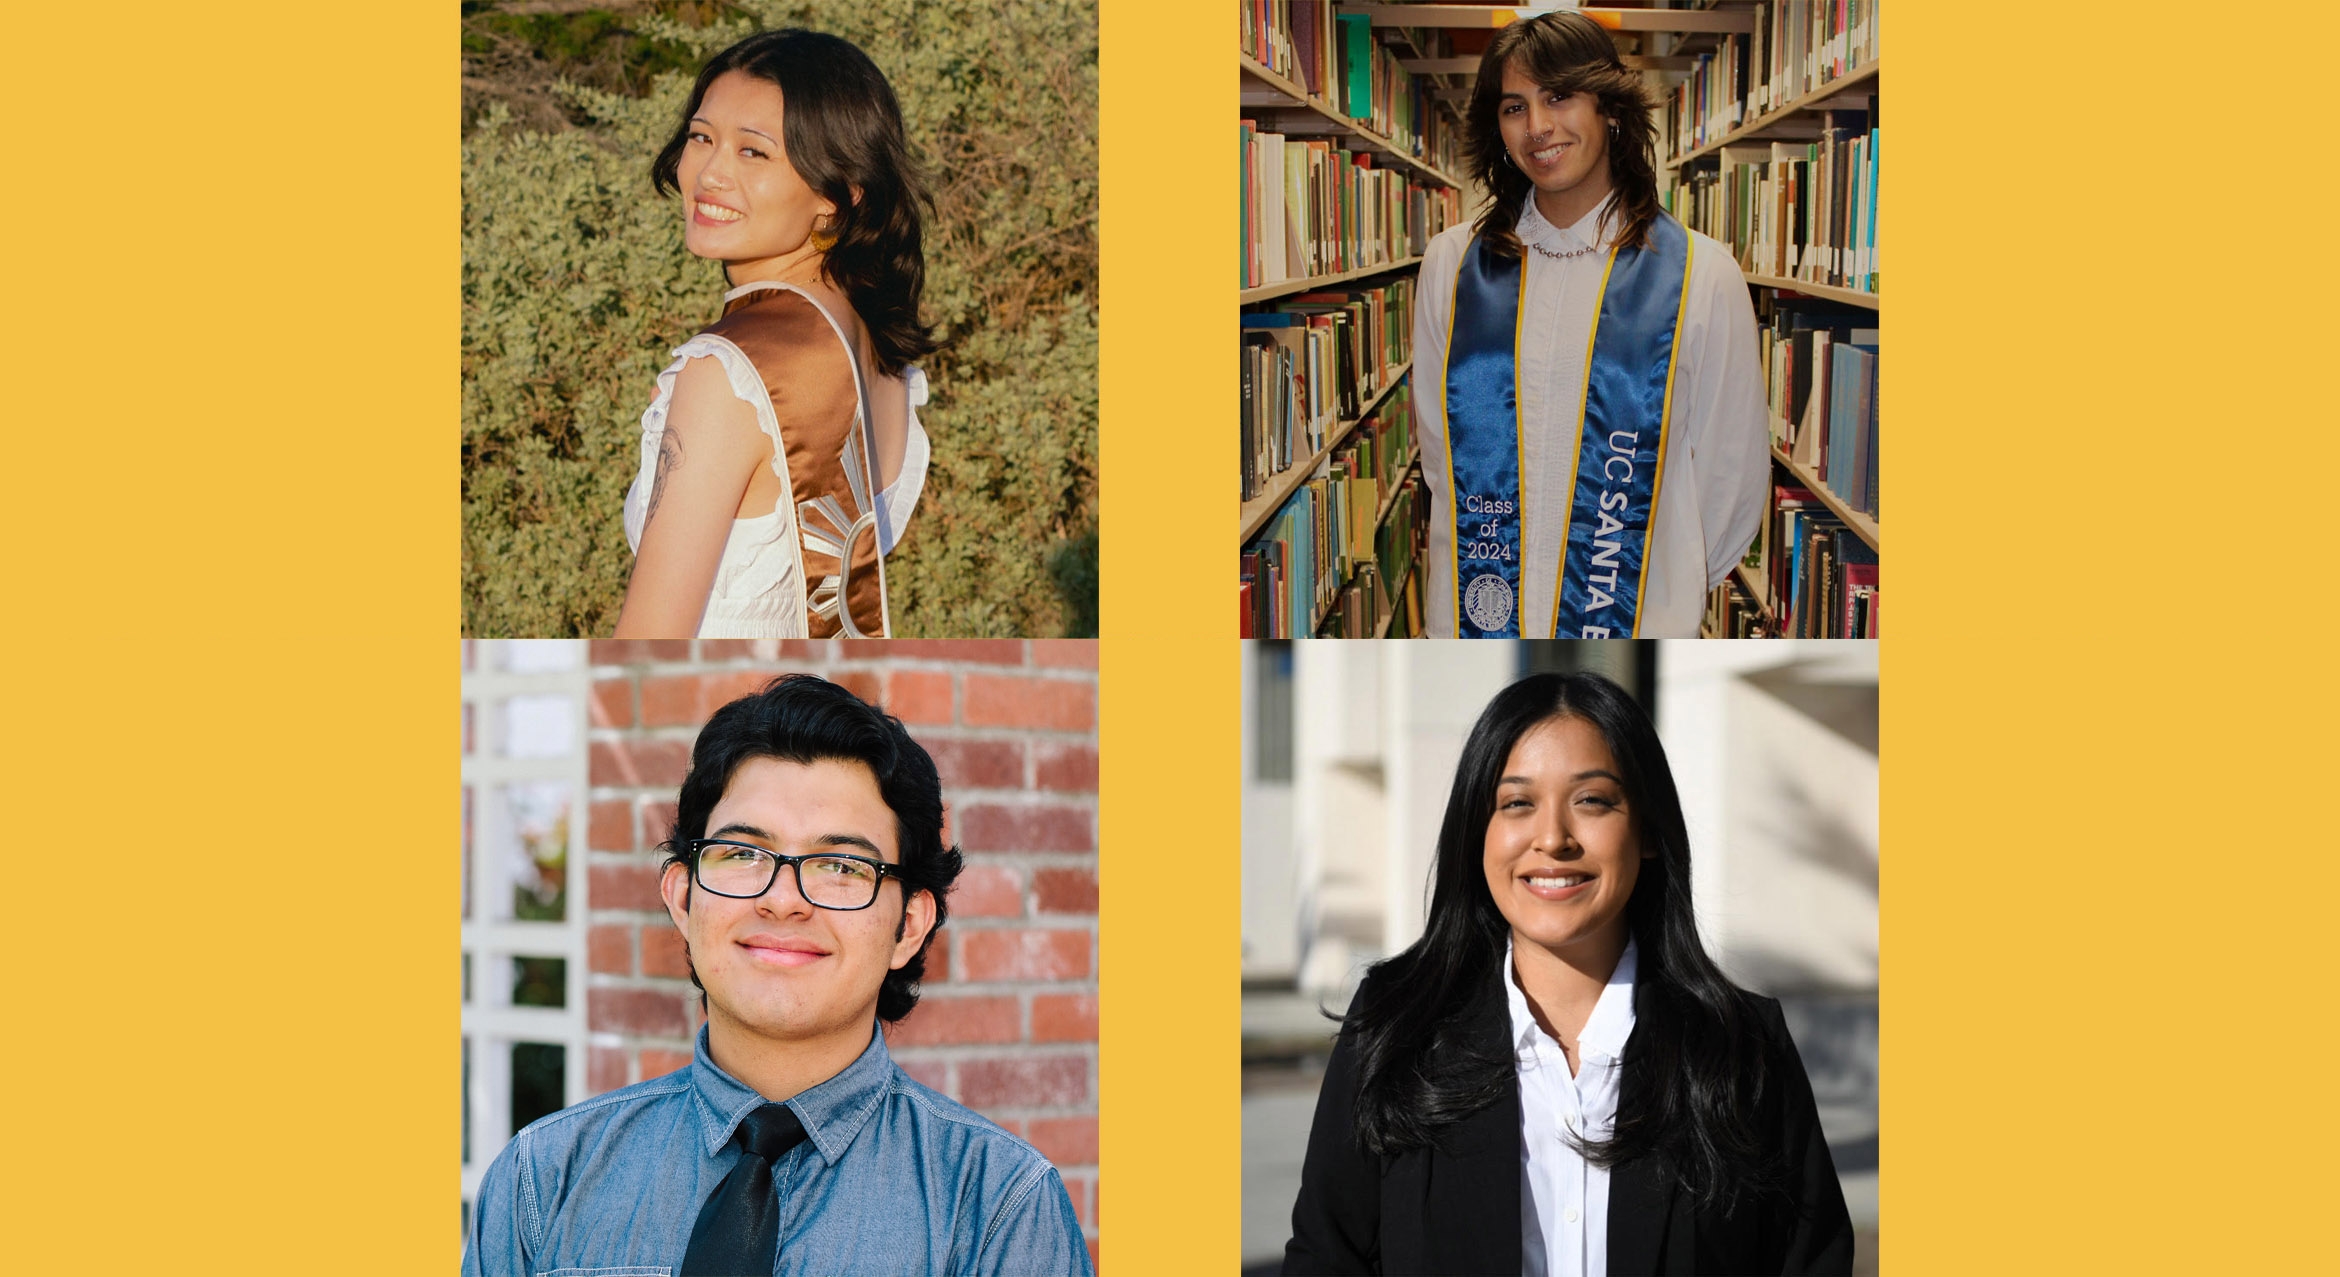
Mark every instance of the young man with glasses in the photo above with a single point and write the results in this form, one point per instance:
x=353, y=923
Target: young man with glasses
x=807, y=872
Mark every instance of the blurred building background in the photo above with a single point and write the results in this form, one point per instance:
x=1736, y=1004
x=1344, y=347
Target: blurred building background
x=573, y=975
x=1349, y=750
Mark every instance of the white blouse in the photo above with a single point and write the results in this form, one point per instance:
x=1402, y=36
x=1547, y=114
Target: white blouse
x=760, y=590
x=1564, y=1199
x=1717, y=468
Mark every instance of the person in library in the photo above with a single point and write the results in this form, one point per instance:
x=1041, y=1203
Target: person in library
x=807, y=873
x=1557, y=1078
x=782, y=455
x=1593, y=429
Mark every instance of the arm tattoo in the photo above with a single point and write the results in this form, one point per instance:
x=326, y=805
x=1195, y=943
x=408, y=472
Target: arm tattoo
x=670, y=458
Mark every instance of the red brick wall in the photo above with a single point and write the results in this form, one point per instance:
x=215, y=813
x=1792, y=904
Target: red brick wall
x=1007, y=1024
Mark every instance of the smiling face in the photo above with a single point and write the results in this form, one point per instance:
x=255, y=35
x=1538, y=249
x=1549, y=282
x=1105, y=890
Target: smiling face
x=778, y=968
x=1562, y=850
x=743, y=203
x=1560, y=143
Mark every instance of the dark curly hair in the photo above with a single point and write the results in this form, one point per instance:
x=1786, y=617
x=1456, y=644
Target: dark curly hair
x=1564, y=52
x=803, y=719
x=843, y=130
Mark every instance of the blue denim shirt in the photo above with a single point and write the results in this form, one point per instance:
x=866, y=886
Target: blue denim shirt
x=895, y=1178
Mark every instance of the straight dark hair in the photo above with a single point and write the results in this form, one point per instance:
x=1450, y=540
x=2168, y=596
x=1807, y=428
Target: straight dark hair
x=1697, y=1044
x=843, y=132
x=1564, y=52
x=804, y=719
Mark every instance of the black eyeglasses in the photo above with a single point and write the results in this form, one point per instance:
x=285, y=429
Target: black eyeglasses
x=744, y=871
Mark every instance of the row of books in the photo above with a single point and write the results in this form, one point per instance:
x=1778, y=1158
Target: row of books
x=1311, y=208
x=1407, y=619
x=1337, y=553
x=1313, y=361
x=1802, y=210
x=1336, y=60
x=1383, y=599
x=1285, y=582
x=1798, y=46
x=1367, y=470
x=1732, y=612
x=1818, y=577
x=1820, y=378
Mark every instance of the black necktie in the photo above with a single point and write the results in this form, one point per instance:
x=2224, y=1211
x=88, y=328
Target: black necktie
x=738, y=1232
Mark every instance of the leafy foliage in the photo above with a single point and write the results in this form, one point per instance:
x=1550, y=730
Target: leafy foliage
x=575, y=285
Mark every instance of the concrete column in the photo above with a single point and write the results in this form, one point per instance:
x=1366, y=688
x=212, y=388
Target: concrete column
x=1436, y=692
x=1773, y=747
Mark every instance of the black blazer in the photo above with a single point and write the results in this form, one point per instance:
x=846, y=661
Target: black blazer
x=1454, y=1209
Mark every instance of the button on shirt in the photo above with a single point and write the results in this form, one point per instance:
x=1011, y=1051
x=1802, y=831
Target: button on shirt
x=1712, y=493
x=1564, y=1199
x=892, y=1178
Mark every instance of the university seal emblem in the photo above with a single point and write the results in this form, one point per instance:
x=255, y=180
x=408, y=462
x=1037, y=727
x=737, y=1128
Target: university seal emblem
x=1488, y=600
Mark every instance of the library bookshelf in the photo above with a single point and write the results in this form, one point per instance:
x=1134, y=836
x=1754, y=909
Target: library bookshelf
x=1264, y=89
x=1260, y=508
x=1736, y=76
x=1336, y=79
x=1285, y=288
x=1772, y=149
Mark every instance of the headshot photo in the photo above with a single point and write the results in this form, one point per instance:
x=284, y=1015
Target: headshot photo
x=779, y=320
x=1560, y=958
x=1608, y=366
x=779, y=965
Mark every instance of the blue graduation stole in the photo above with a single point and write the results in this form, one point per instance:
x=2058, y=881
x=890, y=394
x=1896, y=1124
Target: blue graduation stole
x=1620, y=446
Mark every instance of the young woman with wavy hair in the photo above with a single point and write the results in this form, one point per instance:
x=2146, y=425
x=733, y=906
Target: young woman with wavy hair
x=1556, y=1078
x=782, y=455
x=1593, y=426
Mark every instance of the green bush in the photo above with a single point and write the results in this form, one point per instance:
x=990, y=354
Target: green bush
x=575, y=286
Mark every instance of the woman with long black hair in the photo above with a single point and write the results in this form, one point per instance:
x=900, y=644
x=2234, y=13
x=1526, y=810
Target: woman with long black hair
x=1556, y=1078
x=782, y=454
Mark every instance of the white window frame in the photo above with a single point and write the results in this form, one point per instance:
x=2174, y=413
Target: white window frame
x=491, y=937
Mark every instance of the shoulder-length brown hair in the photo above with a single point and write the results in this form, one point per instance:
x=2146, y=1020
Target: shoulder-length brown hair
x=843, y=130
x=1565, y=53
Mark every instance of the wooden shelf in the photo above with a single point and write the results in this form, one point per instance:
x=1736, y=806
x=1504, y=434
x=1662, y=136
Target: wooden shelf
x=1852, y=79
x=1285, y=288
x=1396, y=597
x=1381, y=516
x=1861, y=524
x=1757, y=591
x=1486, y=16
x=1279, y=94
x=1285, y=482
x=1850, y=296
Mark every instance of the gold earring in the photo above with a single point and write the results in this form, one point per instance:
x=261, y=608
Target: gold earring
x=824, y=235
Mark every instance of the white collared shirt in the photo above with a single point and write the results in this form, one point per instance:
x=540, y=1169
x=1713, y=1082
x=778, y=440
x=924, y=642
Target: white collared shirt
x=1564, y=1199
x=1717, y=473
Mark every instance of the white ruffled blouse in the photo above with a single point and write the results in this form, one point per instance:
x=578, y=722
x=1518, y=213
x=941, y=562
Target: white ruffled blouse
x=760, y=589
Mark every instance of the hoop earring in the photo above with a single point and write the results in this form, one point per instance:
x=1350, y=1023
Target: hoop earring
x=1507, y=158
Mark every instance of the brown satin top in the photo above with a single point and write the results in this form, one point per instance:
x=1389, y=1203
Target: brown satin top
x=810, y=380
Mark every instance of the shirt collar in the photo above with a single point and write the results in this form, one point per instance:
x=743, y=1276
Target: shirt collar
x=1586, y=231
x=832, y=1112
x=1605, y=1030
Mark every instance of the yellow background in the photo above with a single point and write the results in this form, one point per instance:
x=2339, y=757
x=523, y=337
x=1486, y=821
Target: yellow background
x=231, y=324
